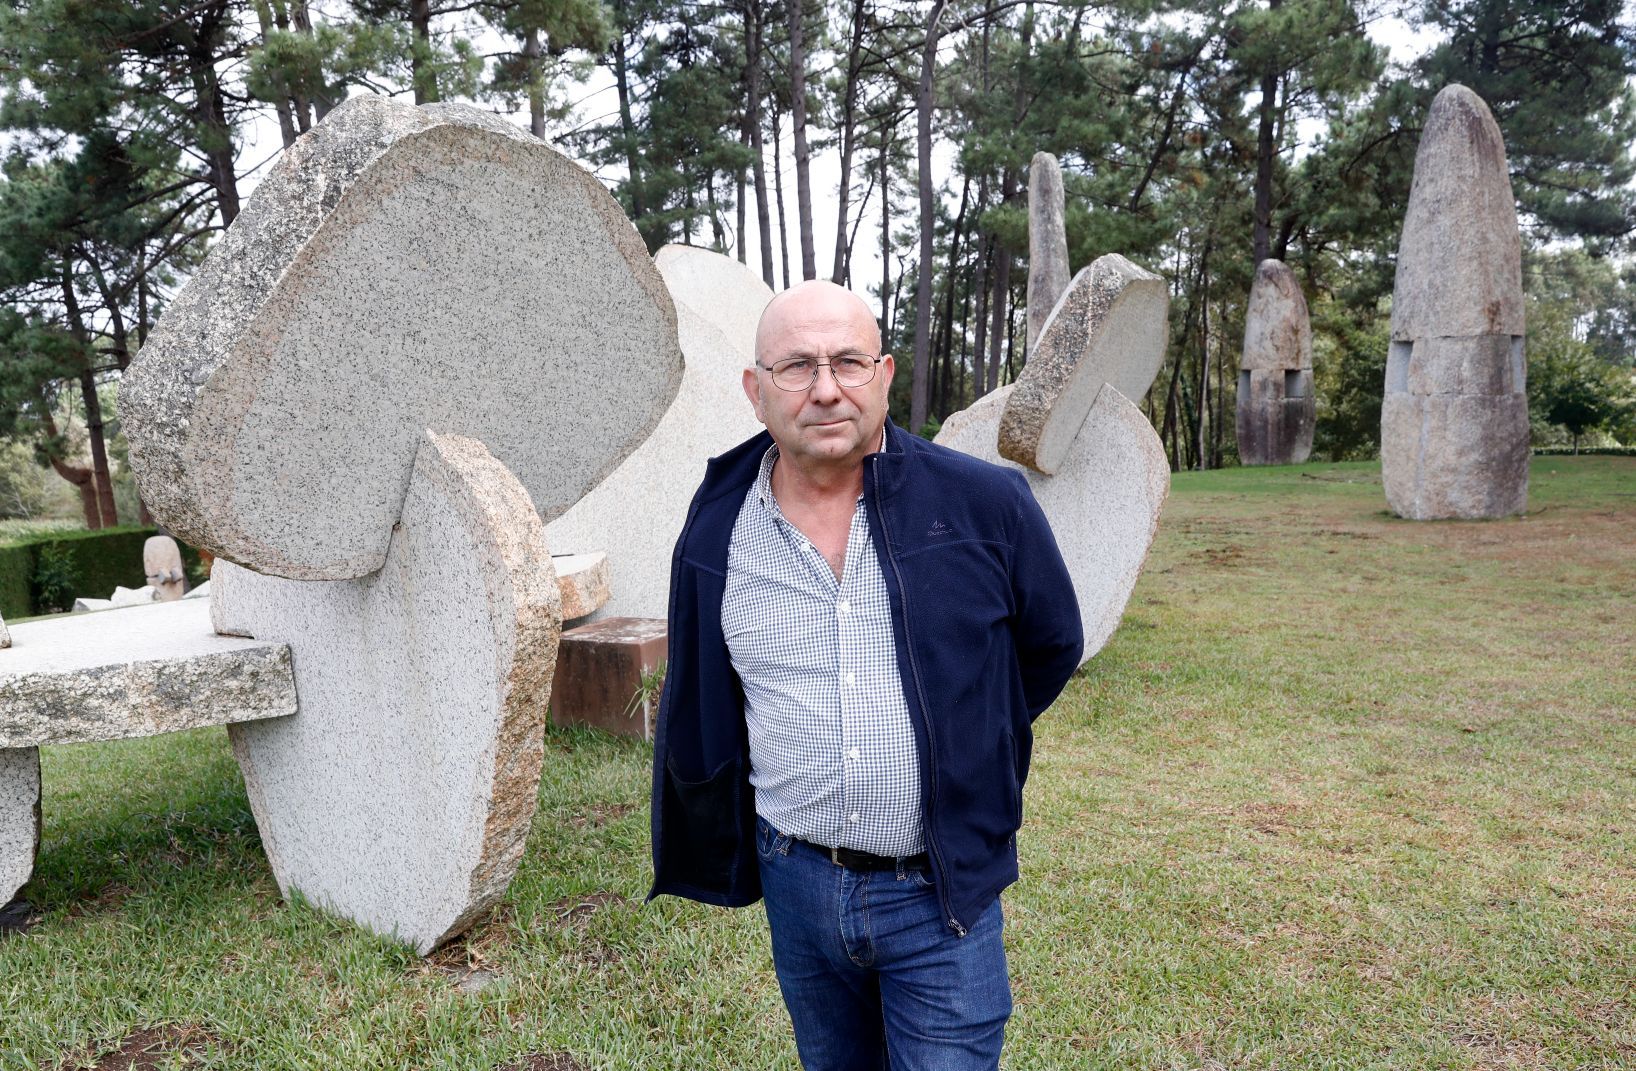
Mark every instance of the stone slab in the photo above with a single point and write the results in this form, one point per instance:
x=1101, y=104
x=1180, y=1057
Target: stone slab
x=1103, y=503
x=1459, y=263
x=1452, y=456
x=399, y=269
x=5, y=636
x=19, y=818
x=401, y=795
x=599, y=675
x=582, y=581
x=1111, y=326
x=1048, y=270
x=636, y=514
x=138, y=671
x=86, y=606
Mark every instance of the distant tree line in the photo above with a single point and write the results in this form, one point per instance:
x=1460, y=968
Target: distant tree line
x=1196, y=137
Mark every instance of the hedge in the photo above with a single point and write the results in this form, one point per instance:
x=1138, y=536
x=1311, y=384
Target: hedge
x=96, y=562
x=1568, y=451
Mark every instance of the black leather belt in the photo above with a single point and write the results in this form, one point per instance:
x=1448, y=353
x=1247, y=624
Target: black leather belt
x=856, y=860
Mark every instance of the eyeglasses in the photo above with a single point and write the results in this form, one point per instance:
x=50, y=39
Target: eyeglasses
x=800, y=373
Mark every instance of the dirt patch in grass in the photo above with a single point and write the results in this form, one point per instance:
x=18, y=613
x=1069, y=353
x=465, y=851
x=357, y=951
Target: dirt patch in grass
x=600, y=814
x=148, y=1048
x=477, y=950
x=544, y=1061
x=571, y=909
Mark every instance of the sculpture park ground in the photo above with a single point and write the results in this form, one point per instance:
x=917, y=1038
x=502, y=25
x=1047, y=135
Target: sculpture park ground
x=1343, y=790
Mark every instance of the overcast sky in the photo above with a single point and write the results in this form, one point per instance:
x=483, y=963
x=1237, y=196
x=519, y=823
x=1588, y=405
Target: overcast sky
x=596, y=102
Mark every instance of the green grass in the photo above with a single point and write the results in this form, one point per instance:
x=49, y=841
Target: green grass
x=1344, y=791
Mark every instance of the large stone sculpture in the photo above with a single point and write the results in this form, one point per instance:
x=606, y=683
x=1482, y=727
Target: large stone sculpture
x=401, y=794
x=427, y=333
x=399, y=269
x=638, y=511
x=1108, y=476
x=1275, y=400
x=1454, y=421
x=1048, y=270
x=1109, y=327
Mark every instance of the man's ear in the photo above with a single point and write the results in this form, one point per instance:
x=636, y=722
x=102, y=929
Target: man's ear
x=888, y=367
x=752, y=391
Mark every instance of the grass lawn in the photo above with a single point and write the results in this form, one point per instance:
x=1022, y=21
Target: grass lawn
x=1344, y=791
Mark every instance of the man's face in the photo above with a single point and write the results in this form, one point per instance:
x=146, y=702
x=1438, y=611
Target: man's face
x=825, y=422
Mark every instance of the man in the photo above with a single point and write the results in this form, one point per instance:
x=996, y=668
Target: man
x=863, y=626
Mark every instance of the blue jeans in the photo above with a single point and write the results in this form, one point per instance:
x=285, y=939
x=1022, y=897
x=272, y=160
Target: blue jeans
x=872, y=975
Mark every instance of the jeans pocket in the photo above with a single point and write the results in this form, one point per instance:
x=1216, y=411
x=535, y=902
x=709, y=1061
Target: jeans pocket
x=918, y=879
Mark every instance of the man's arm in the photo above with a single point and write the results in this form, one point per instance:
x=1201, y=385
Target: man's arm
x=1046, y=628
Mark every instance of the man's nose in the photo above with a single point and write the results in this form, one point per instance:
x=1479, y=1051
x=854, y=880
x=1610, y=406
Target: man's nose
x=826, y=388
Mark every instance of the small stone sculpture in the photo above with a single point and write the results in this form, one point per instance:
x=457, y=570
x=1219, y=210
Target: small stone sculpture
x=1048, y=270
x=162, y=562
x=1276, y=406
x=1454, y=420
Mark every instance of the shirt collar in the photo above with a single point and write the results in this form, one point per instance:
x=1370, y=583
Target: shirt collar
x=764, y=477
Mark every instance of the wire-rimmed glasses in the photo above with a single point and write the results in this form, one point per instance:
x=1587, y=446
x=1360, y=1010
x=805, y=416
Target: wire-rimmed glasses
x=800, y=373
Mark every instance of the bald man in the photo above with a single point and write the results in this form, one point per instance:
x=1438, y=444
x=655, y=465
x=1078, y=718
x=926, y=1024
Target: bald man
x=863, y=627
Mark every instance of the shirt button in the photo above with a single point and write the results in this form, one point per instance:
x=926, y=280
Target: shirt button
x=851, y=678
x=853, y=754
x=853, y=817
x=843, y=606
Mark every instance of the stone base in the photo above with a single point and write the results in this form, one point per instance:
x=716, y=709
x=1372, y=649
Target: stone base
x=600, y=667
x=19, y=817
x=1454, y=456
x=1276, y=413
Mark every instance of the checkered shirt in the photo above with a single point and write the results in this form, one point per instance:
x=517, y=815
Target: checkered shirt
x=832, y=751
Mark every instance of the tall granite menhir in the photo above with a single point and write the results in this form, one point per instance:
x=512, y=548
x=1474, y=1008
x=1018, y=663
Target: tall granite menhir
x=1275, y=402
x=1454, y=421
x=1048, y=273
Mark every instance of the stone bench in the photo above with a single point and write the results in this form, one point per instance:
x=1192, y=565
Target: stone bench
x=113, y=675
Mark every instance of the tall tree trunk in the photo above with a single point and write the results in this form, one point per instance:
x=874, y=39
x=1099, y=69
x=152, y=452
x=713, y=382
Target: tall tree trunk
x=281, y=105
x=743, y=180
x=998, y=312
x=421, y=72
x=93, y=405
x=798, y=136
x=924, y=100
x=848, y=132
x=1204, y=347
x=951, y=286
x=979, y=385
x=536, y=82
x=627, y=121
x=752, y=126
x=885, y=236
x=1264, y=156
x=778, y=199
x=210, y=113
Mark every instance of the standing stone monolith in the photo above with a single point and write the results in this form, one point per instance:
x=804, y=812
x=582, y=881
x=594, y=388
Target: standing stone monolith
x=1275, y=401
x=19, y=818
x=1048, y=272
x=1454, y=420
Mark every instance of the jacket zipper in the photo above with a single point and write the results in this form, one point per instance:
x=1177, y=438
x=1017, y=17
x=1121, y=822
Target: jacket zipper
x=926, y=718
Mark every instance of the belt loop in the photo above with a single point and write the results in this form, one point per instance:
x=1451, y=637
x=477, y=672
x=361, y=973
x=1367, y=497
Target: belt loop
x=835, y=855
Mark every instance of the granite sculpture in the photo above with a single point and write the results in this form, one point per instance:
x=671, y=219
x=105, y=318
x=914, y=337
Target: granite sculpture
x=399, y=269
x=382, y=381
x=401, y=794
x=1048, y=271
x=1454, y=419
x=1109, y=327
x=1276, y=406
x=162, y=562
x=636, y=513
x=1105, y=476
x=140, y=671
